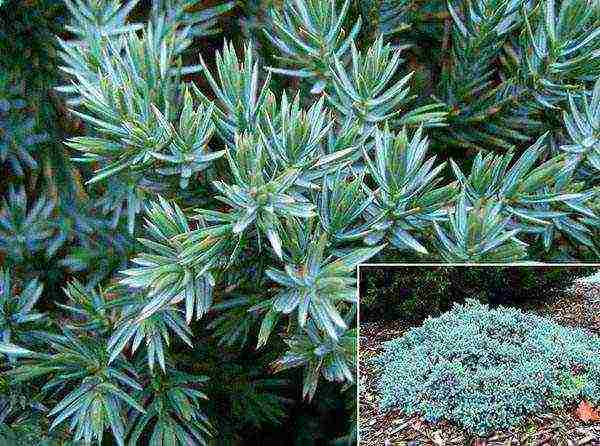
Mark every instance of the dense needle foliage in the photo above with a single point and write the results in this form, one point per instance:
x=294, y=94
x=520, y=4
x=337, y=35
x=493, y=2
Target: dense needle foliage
x=188, y=187
x=459, y=365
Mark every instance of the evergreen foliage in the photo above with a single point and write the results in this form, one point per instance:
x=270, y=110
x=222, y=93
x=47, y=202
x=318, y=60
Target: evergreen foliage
x=412, y=294
x=459, y=365
x=179, y=174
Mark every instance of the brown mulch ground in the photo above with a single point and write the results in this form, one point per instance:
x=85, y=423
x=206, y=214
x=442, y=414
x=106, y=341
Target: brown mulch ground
x=578, y=307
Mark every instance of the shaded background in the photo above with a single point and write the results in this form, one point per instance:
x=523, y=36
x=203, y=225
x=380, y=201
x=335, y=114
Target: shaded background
x=413, y=293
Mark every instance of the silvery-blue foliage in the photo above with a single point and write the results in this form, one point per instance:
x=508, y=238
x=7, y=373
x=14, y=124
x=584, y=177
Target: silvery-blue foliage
x=487, y=369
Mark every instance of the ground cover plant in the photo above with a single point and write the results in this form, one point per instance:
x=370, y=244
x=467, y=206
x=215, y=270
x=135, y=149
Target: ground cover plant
x=188, y=186
x=488, y=369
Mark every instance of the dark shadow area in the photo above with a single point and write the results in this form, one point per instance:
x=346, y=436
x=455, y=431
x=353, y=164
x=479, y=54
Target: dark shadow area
x=413, y=293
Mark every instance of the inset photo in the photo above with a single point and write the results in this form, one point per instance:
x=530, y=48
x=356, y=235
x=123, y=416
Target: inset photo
x=479, y=355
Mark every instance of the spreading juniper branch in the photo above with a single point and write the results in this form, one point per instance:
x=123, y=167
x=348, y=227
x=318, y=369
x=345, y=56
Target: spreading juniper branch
x=367, y=94
x=17, y=315
x=309, y=35
x=564, y=37
x=98, y=392
x=269, y=197
x=152, y=124
x=582, y=122
x=278, y=156
x=483, y=113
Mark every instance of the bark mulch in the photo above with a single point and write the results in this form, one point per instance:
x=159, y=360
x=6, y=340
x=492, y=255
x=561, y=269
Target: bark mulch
x=578, y=307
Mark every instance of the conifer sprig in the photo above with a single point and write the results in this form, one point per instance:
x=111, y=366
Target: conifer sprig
x=461, y=131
